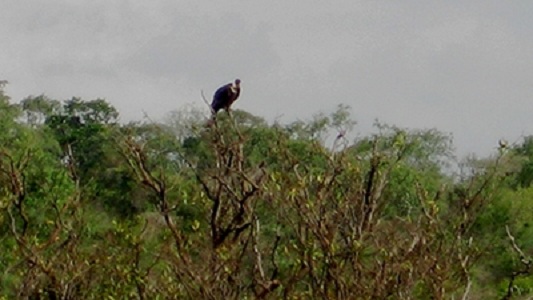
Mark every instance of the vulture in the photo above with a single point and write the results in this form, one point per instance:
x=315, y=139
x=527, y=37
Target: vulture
x=225, y=96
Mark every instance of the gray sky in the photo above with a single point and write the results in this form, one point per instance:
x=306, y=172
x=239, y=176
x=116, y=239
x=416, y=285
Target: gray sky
x=464, y=67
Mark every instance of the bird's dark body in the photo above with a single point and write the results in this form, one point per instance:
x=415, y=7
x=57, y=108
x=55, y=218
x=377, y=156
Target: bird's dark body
x=225, y=96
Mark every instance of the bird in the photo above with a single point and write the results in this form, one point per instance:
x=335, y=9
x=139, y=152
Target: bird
x=502, y=143
x=225, y=96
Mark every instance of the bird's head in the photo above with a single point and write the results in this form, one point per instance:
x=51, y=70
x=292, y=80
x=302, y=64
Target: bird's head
x=235, y=87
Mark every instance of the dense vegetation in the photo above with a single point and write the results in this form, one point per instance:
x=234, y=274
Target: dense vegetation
x=244, y=209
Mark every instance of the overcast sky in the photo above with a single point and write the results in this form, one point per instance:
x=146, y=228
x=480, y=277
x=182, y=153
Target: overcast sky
x=464, y=67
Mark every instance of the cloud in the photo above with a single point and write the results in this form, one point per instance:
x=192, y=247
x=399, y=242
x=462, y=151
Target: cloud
x=462, y=67
x=205, y=50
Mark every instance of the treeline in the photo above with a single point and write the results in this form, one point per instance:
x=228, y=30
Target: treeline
x=246, y=209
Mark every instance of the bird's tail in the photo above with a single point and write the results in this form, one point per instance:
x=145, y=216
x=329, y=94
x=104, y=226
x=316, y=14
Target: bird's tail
x=211, y=121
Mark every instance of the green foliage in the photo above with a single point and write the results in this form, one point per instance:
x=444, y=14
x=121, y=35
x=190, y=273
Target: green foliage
x=38, y=109
x=524, y=176
x=243, y=209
